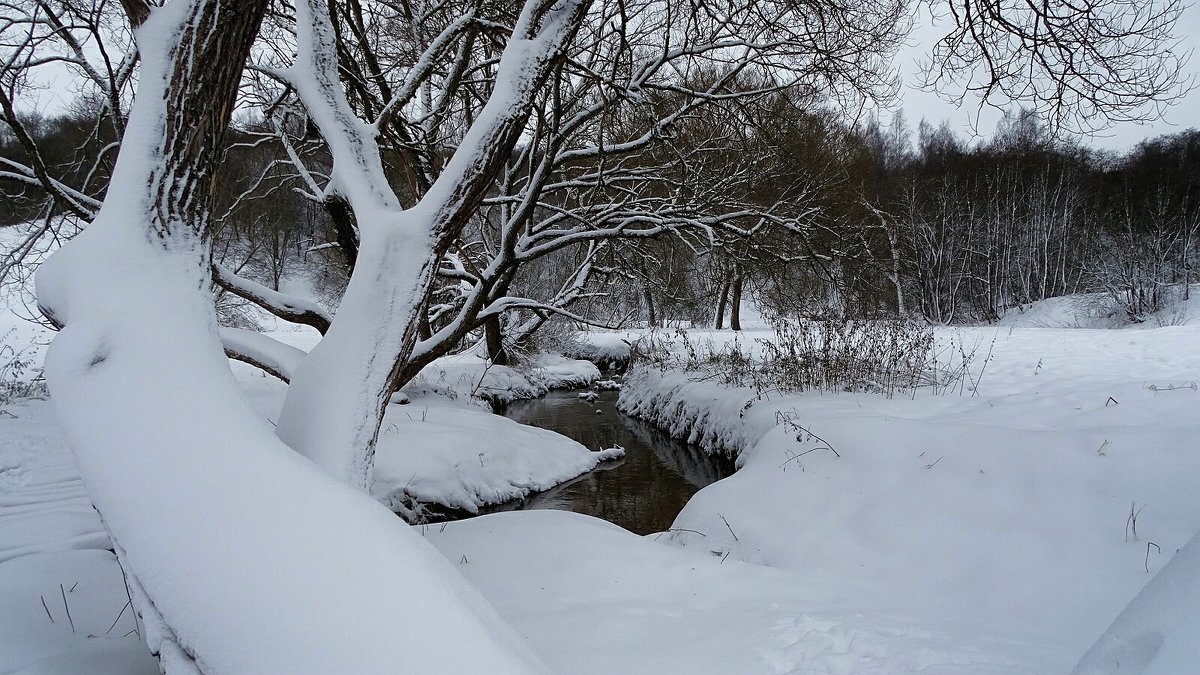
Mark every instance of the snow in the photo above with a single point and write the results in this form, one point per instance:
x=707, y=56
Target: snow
x=51, y=535
x=43, y=506
x=593, y=598
x=444, y=446
x=1098, y=310
x=1000, y=514
x=1157, y=632
x=276, y=356
x=979, y=533
x=439, y=451
x=40, y=639
x=447, y=442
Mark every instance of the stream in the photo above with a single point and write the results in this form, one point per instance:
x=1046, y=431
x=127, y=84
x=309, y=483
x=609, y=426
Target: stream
x=643, y=491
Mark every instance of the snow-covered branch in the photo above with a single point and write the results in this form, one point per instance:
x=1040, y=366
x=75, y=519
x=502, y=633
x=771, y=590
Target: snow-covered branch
x=287, y=307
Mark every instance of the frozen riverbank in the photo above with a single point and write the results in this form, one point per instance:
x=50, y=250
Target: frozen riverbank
x=954, y=534
x=1002, y=514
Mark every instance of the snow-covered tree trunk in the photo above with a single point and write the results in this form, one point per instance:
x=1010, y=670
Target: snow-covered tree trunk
x=335, y=402
x=241, y=556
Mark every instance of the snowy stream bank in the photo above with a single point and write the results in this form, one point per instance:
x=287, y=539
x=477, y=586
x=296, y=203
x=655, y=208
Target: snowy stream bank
x=1008, y=512
x=642, y=491
x=954, y=534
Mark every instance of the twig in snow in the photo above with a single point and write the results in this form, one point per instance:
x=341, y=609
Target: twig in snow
x=1111, y=401
x=724, y=557
x=46, y=608
x=67, y=607
x=464, y=560
x=72, y=588
x=678, y=529
x=122, y=613
x=1132, y=520
x=735, y=537
x=131, y=632
x=1173, y=387
x=1148, y=545
x=129, y=595
x=930, y=466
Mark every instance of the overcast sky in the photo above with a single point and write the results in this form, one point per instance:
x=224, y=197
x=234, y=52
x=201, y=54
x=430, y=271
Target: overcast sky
x=919, y=104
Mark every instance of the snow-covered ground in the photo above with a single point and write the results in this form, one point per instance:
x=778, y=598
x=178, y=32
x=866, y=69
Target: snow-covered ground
x=1098, y=310
x=1001, y=514
x=964, y=533
x=50, y=536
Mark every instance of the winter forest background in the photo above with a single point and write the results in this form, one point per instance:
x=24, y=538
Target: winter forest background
x=898, y=222
x=271, y=265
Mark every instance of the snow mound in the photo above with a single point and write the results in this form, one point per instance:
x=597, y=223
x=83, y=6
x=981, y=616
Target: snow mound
x=594, y=598
x=99, y=635
x=1159, y=632
x=937, y=507
x=438, y=451
x=1098, y=310
x=469, y=375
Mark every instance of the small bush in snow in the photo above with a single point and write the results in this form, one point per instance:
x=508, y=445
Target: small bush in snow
x=20, y=378
x=831, y=355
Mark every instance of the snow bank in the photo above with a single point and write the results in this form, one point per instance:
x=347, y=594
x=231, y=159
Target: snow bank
x=445, y=447
x=1098, y=310
x=607, y=349
x=594, y=598
x=1002, y=513
x=470, y=375
x=50, y=536
x=1159, y=632
x=438, y=451
x=713, y=418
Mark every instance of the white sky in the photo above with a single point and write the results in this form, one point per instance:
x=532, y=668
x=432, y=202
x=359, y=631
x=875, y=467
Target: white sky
x=919, y=104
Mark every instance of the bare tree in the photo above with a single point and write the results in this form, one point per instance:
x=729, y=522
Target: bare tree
x=1079, y=65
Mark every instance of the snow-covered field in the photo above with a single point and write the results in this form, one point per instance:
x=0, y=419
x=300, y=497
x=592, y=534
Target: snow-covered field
x=966, y=533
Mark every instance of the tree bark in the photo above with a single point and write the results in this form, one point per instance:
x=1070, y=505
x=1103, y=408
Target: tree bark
x=735, y=303
x=722, y=301
x=494, y=337
x=343, y=229
x=651, y=316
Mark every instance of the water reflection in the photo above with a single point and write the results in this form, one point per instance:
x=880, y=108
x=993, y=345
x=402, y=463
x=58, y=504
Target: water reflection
x=644, y=491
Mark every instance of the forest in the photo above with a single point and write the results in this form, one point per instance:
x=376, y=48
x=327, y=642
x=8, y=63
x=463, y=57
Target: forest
x=858, y=219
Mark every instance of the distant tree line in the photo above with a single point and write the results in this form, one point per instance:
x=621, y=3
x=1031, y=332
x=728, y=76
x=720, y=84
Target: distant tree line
x=865, y=220
x=928, y=225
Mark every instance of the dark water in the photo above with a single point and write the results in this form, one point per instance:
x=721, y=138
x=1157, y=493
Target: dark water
x=642, y=492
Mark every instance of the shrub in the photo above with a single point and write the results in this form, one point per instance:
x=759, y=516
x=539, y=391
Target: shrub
x=829, y=355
